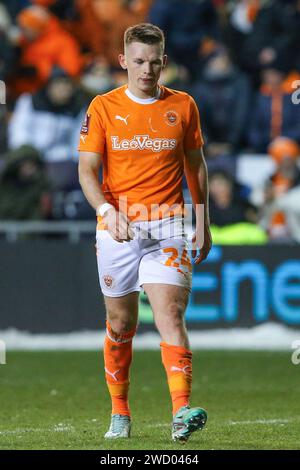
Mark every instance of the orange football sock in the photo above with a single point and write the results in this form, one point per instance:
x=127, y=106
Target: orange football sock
x=117, y=359
x=177, y=361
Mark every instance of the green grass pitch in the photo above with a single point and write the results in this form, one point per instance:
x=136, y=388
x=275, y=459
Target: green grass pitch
x=59, y=400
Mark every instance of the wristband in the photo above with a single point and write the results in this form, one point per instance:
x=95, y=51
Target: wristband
x=103, y=208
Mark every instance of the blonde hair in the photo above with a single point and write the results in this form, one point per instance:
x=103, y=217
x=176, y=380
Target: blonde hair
x=145, y=33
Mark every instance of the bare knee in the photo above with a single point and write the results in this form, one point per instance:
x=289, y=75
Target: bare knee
x=120, y=322
x=171, y=325
x=172, y=317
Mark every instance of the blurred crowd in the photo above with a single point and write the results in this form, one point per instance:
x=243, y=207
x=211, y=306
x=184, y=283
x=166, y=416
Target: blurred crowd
x=239, y=59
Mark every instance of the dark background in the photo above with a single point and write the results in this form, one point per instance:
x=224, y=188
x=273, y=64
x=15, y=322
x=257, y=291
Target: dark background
x=49, y=286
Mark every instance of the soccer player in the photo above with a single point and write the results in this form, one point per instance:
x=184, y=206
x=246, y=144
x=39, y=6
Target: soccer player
x=146, y=136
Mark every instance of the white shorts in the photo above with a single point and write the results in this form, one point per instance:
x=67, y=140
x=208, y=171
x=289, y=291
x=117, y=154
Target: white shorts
x=157, y=254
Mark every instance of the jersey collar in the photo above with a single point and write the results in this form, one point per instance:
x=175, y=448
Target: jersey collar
x=143, y=100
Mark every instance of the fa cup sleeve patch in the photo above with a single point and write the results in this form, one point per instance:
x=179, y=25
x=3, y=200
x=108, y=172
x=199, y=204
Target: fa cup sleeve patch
x=86, y=124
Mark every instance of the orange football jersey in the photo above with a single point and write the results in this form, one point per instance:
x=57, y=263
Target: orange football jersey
x=142, y=144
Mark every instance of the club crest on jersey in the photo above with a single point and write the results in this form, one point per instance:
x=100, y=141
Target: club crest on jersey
x=108, y=280
x=171, y=118
x=143, y=142
x=86, y=124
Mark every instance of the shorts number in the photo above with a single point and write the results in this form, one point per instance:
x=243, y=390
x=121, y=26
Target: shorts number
x=172, y=260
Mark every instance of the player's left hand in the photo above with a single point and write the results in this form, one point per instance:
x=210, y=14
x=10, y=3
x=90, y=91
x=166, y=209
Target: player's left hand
x=204, y=247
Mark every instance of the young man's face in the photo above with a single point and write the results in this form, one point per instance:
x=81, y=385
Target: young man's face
x=144, y=63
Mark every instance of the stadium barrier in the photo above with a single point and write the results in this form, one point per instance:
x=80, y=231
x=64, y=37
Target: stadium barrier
x=49, y=283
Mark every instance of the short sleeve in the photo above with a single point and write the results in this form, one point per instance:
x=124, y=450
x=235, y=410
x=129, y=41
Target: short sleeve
x=193, y=136
x=92, y=134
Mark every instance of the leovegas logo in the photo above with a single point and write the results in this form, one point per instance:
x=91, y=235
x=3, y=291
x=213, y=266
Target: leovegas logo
x=143, y=142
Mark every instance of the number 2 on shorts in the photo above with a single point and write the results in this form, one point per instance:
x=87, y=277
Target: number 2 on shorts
x=171, y=261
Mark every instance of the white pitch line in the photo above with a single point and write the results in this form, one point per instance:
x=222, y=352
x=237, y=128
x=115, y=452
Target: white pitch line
x=68, y=428
x=236, y=423
x=19, y=431
x=158, y=425
x=60, y=428
x=55, y=428
x=261, y=421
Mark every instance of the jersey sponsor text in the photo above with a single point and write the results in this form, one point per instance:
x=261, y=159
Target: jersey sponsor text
x=143, y=142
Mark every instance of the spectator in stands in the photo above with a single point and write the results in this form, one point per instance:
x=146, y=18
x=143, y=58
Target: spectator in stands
x=6, y=57
x=274, y=114
x=175, y=76
x=24, y=188
x=261, y=31
x=233, y=218
x=43, y=44
x=86, y=28
x=228, y=201
x=6, y=63
x=50, y=121
x=285, y=153
x=223, y=96
x=63, y=9
x=191, y=29
x=96, y=79
x=3, y=132
x=100, y=25
x=7, y=52
x=15, y=6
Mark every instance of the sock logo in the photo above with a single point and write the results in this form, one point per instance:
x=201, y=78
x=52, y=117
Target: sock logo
x=183, y=369
x=112, y=374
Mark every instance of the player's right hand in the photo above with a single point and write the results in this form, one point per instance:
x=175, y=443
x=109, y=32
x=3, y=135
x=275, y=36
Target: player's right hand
x=118, y=225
